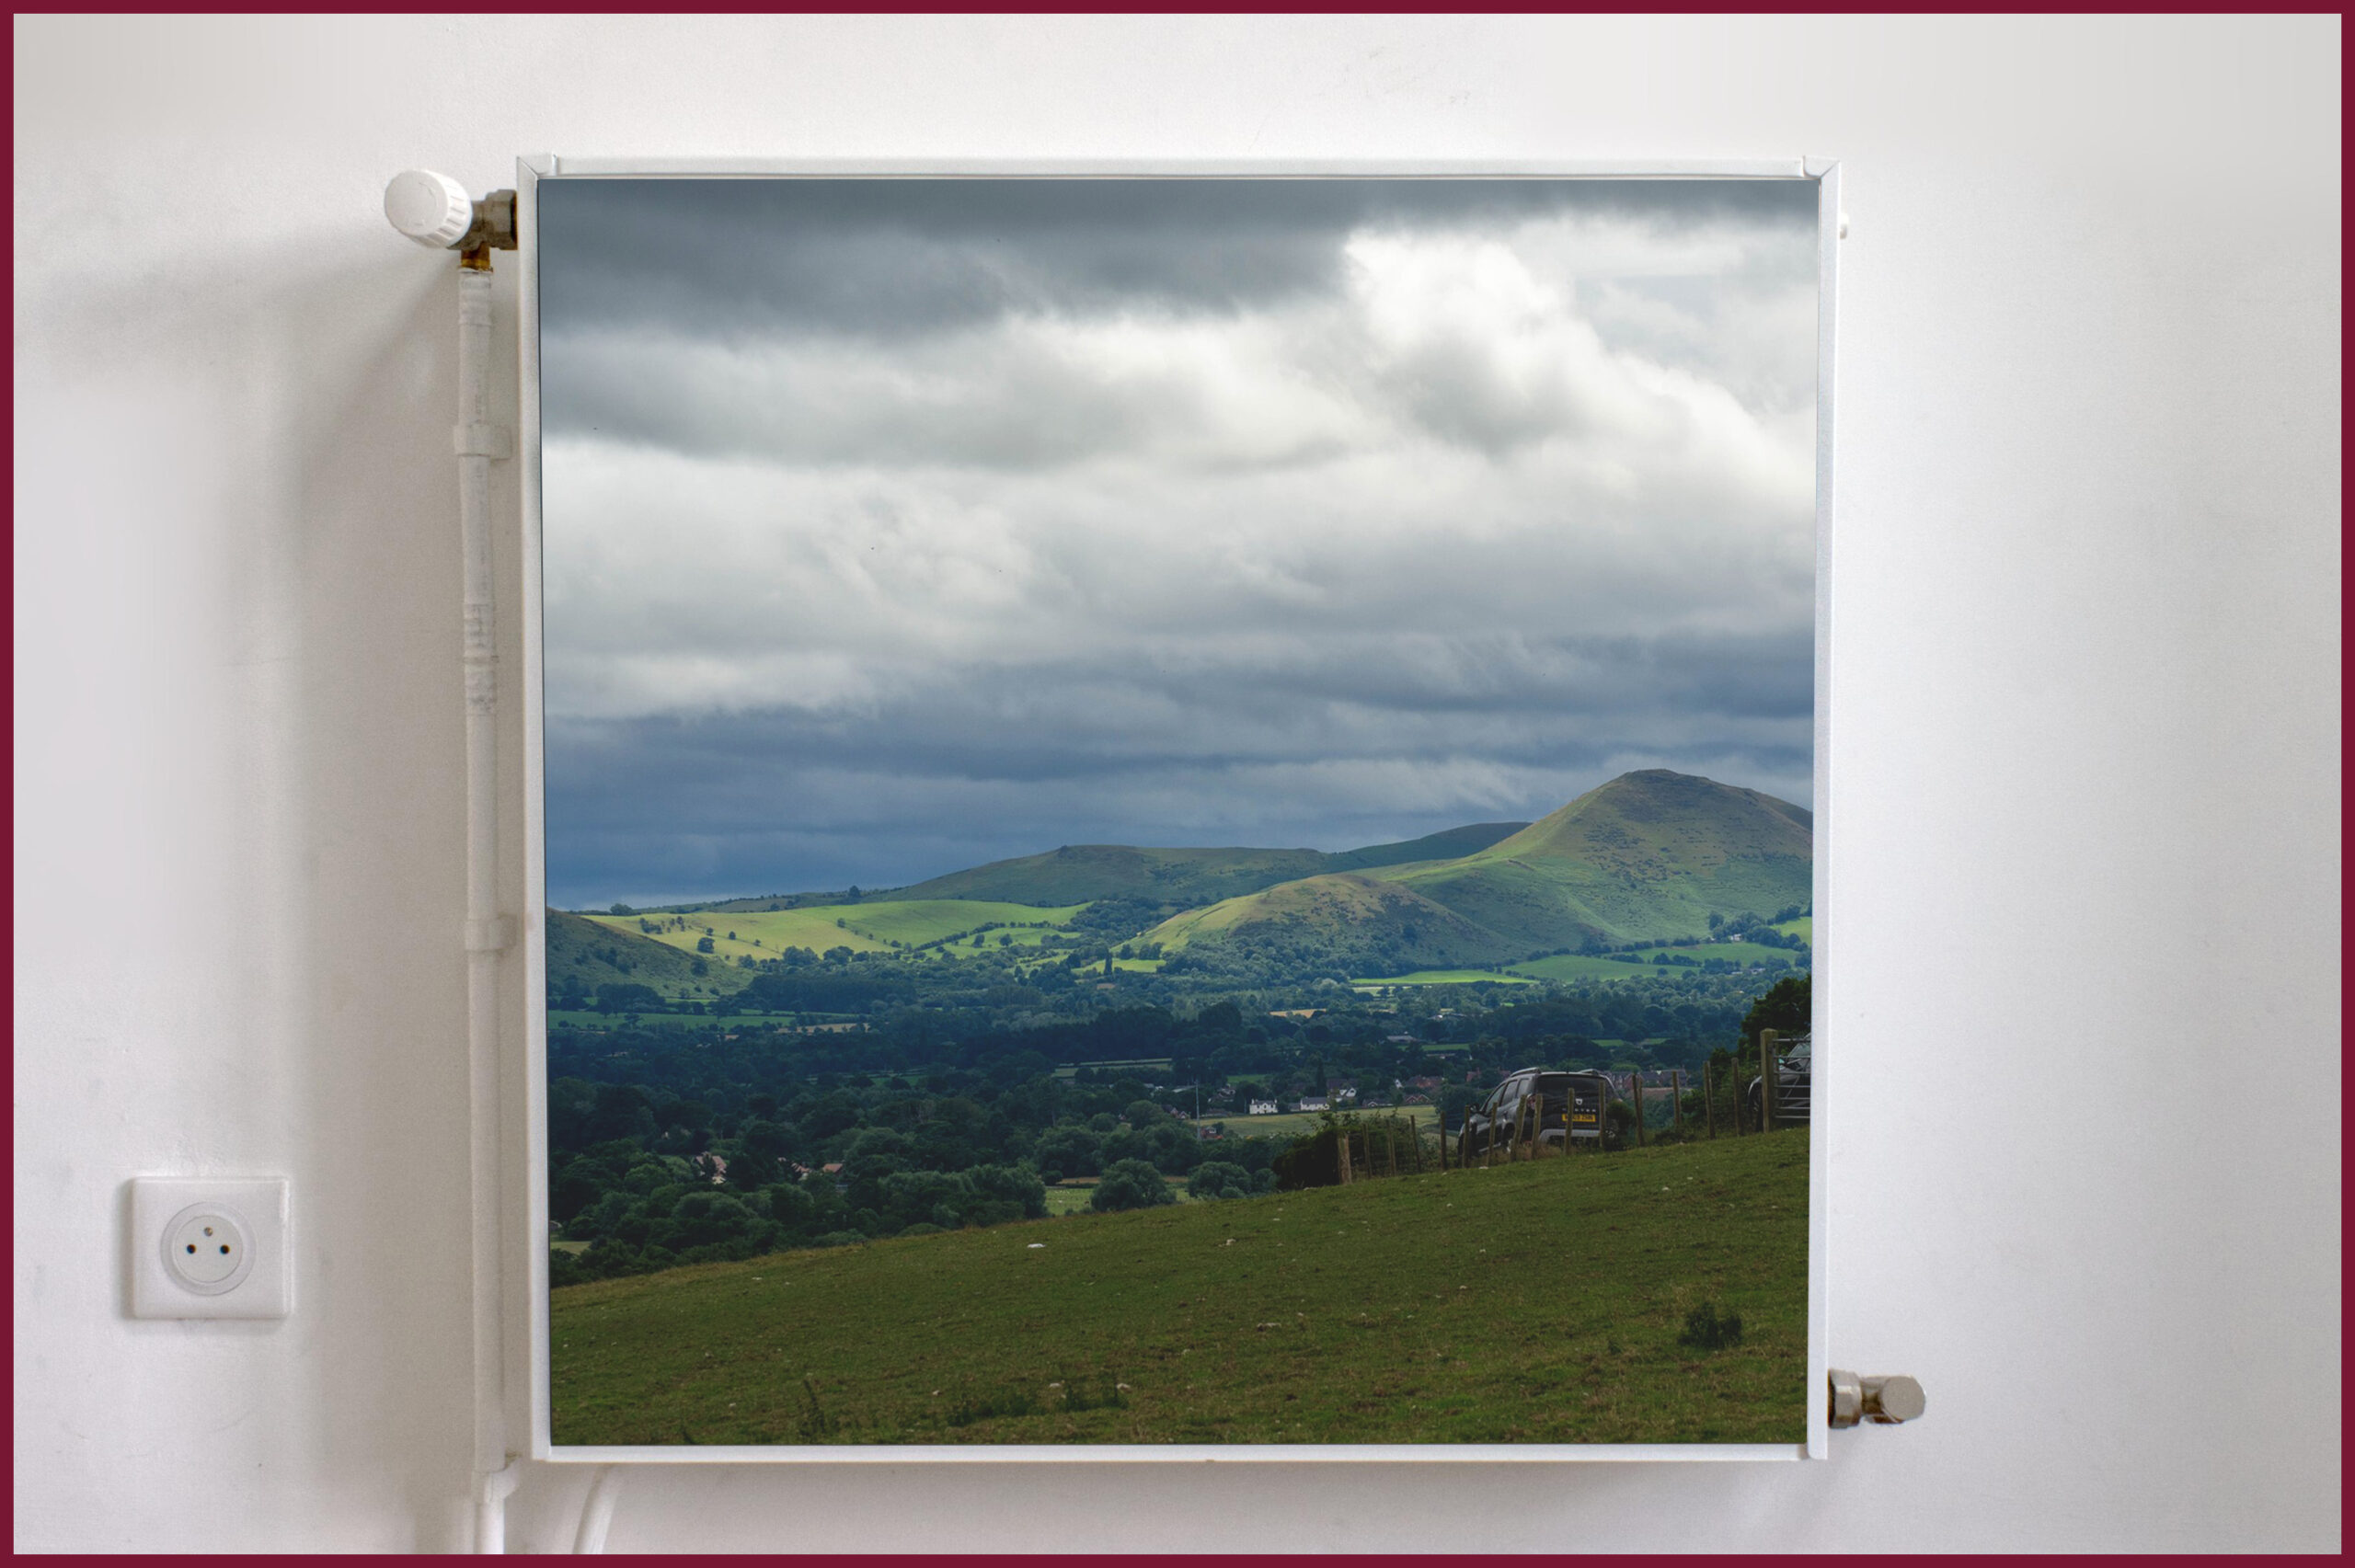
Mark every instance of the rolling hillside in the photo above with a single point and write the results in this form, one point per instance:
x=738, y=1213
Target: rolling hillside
x=1649, y=856
x=1182, y=878
x=870, y=926
x=1542, y=1302
x=1352, y=919
x=584, y=955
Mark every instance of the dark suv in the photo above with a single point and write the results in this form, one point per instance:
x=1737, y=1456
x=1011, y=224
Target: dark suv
x=1794, y=1080
x=1568, y=1106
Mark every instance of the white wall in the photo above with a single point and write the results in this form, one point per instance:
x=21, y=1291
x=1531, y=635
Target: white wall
x=2085, y=770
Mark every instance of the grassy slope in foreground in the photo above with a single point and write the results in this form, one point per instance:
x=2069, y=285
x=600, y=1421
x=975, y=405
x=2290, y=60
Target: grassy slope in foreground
x=1529, y=1303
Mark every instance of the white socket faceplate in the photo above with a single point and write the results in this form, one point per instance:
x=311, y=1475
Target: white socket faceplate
x=204, y=1248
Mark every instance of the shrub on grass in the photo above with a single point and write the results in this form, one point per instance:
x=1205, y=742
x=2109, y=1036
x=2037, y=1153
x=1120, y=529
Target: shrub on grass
x=1705, y=1329
x=1219, y=1178
x=1130, y=1184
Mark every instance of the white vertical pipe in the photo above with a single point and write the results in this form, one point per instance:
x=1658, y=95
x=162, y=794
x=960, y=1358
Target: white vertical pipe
x=477, y=441
x=597, y=1512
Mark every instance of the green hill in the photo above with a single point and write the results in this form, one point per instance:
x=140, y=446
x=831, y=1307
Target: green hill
x=1350, y=921
x=1541, y=1303
x=1181, y=879
x=1649, y=856
x=584, y=955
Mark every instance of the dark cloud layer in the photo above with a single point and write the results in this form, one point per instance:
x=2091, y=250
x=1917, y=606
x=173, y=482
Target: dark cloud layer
x=895, y=526
x=733, y=258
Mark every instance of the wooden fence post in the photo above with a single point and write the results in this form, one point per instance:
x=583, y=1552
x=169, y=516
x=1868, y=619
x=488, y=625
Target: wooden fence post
x=1768, y=1086
x=1636, y=1090
x=1676, y=1089
x=1708, y=1101
x=1341, y=1157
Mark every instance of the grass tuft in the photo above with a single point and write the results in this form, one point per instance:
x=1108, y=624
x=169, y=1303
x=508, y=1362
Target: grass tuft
x=1705, y=1330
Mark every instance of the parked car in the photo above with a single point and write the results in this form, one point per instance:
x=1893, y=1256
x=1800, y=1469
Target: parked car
x=1795, y=1081
x=1569, y=1107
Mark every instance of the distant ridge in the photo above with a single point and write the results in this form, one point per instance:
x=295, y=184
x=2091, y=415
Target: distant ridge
x=1450, y=844
x=1182, y=878
x=1649, y=856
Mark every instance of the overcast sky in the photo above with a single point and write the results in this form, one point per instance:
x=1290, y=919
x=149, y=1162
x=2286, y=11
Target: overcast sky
x=894, y=526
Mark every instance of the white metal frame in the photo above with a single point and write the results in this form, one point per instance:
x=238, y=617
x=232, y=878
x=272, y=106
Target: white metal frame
x=529, y=172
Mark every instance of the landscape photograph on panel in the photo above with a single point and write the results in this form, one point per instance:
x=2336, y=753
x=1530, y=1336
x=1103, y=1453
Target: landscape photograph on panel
x=1178, y=810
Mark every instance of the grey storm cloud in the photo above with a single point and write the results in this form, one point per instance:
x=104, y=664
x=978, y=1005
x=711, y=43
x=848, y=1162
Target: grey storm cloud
x=728, y=259
x=893, y=526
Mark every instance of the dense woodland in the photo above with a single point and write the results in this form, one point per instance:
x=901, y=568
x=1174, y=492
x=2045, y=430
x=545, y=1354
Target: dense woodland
x=934, y=1089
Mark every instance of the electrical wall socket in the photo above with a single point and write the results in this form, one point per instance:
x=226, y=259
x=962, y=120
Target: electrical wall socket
x=204, y=1248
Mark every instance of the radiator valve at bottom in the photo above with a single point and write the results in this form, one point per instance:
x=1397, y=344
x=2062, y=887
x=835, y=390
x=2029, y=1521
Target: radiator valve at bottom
x=1881, y=1401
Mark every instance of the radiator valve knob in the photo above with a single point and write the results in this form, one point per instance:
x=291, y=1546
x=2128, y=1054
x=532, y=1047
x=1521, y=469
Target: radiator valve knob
x=1883, y=1402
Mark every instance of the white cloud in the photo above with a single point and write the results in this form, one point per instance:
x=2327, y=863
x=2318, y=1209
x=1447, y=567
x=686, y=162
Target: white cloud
x=1547, y=482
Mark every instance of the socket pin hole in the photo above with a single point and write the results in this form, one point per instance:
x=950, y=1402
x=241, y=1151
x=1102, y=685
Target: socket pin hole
x=224, y=1247
x=191, y=1246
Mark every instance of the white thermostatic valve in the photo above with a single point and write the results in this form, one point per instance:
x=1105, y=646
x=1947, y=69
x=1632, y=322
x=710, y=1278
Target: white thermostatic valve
x=209, y=1248
x=431, y=209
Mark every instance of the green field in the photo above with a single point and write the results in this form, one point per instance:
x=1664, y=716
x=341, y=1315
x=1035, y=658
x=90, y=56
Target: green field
x=1803, y=928
x=1441, y=977
x=1062, y=1200
x=1582, y=967
x=930, y=920
x=1539, y=1302
x=1073, y=1197
x=862, y=927
x=1292, y=1124
x=1739, y=952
